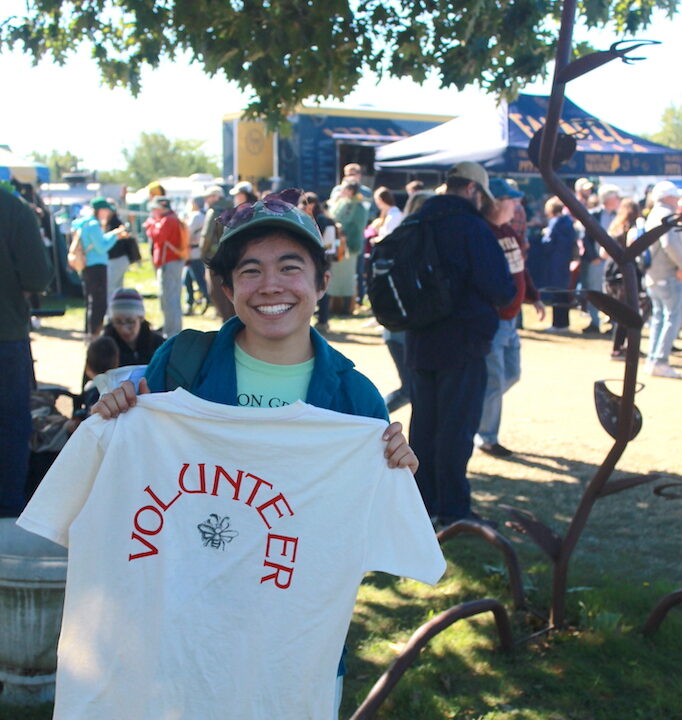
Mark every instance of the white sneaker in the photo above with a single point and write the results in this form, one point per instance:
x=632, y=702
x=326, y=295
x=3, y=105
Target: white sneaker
x=664, y=370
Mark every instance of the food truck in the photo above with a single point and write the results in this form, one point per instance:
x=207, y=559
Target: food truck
x=310, y=153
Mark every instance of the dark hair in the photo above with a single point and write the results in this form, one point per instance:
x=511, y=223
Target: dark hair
x=313, y=199
x=102, y=355
x=455, y=183
x=385, y=195
x=352, y=185
x=414, y=186
x=251, y=197
x=231, y=251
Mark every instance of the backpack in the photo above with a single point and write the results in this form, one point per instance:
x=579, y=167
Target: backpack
x=190, y=348
x=183, y=248
x=76, y=255
x=407, y=285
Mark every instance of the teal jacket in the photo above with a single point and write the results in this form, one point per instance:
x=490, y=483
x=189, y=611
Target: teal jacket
x=334, y=385
x=95, y=241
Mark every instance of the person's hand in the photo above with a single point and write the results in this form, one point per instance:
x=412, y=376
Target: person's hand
x=678, y=273
x=573, y=265
x=120, y=400
x=540, y=310
x=397, y=451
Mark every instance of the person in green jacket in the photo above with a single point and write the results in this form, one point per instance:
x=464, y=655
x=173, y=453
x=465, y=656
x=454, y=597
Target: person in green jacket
x=23, y=269
x=350, y=212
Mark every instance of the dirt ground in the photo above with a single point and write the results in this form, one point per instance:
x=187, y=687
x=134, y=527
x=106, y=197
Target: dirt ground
x=549, y=420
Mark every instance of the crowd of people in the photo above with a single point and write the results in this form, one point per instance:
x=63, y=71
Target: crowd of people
x=272, y=265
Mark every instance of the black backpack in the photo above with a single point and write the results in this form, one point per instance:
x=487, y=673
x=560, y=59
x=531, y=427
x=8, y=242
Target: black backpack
x=407, y=285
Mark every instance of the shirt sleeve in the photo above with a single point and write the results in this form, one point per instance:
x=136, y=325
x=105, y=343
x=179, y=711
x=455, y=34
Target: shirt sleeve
x=65, y=489
x=400, y=537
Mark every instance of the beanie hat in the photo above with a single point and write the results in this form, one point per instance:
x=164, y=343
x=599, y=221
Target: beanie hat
x=126, y=301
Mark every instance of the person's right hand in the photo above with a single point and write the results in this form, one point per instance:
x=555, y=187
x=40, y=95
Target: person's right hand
x=120, y=400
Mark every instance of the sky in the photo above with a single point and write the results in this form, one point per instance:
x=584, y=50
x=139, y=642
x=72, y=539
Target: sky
x=67, y=109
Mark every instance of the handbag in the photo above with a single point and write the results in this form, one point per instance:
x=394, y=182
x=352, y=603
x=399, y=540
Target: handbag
x=76, y=255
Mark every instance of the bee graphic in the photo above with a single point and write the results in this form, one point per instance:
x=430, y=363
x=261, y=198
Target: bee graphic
x=215, y=532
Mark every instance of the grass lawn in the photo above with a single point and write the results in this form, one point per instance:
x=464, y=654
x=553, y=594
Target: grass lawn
x=600, y=667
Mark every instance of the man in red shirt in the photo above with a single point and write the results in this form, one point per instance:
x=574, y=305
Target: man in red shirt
x=503, y=362
x=169, y=253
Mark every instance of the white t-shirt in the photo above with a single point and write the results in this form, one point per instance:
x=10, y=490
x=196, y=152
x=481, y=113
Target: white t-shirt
x=215, y=554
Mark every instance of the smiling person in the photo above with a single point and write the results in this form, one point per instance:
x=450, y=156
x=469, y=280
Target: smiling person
x=274, y=269
x=133, y=335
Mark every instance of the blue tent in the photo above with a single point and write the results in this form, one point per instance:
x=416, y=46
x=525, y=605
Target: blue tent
x=499, y=141
x=25, y=171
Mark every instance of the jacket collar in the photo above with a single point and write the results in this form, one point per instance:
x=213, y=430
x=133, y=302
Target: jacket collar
x=217, y=380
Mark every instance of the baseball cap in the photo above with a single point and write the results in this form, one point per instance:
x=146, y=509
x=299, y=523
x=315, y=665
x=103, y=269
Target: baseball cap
x=243, y=186
x=277, y=210
x=214, y=190
x=501, y=188
x=583, y=184
x=101, y=202
x=474, y=173
x=160, y=202
x=662, y=189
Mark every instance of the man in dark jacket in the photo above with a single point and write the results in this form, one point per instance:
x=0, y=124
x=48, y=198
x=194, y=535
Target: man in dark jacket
x=23, y=269
x=448, y=357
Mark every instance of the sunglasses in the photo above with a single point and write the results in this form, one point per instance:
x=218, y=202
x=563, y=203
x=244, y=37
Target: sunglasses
x=275, y=204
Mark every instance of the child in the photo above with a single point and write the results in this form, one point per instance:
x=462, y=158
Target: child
x=102, y=355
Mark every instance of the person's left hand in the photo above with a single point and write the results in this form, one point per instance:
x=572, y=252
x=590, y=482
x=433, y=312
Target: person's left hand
x=540, y=309
x=397, y=451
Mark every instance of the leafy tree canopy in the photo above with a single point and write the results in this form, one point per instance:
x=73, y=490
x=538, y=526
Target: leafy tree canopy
x=58, y=162
x=156, y=156
x=153, y=156
x=285, y=51
x=670, y=133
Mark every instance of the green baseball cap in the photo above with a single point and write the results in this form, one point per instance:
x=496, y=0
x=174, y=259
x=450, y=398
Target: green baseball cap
x=100, y=202
x=277, y=210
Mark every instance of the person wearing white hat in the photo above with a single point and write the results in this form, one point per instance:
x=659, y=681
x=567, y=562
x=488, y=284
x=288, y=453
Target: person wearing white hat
x=243, y=192
x=663, y=282
x=447, y=359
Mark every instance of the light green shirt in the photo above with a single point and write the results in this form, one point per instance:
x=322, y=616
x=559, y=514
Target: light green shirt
x=261, y=384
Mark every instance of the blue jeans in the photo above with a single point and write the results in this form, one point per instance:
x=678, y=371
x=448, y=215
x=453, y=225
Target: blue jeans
x=15, y=425
x=504, y=370
x=194, y=271
x=446, y=412
x=169, y=278
x=666, y=316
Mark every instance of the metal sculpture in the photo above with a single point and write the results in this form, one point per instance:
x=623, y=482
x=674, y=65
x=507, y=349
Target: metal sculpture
x=548, y=150
x=421, y=637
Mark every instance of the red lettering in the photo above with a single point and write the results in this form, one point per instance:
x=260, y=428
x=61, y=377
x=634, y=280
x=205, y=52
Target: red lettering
x=236, y=484
x=273, y=503
x=286, y=541
x=137, y=520
x=162, y=505
x=146, y=543
x=256, y=488
x=202, y=478
x=288, y=571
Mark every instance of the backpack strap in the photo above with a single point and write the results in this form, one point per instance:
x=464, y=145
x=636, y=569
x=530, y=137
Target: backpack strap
x=187, y=355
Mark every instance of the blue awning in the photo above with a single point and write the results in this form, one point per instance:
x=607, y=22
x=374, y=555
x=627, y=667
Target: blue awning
x=25, y=171
x=499, y=141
